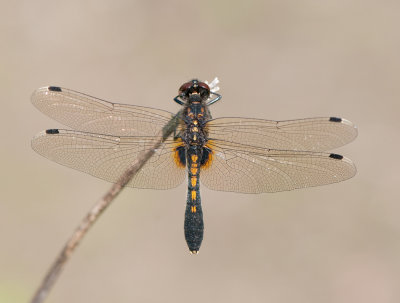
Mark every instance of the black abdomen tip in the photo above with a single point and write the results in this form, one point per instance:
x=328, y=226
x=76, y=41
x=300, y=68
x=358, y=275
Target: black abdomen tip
x=336, y=156
x=52, y=131
x=334, y=119
x=55, y=89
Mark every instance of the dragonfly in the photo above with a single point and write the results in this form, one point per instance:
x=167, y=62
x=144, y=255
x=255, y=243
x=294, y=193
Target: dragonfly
x=233, y=154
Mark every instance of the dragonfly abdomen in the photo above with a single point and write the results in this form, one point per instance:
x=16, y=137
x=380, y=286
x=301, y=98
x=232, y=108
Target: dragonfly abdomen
x=194, y=225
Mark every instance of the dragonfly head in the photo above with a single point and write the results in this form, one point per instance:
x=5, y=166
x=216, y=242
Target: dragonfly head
x=194, y=91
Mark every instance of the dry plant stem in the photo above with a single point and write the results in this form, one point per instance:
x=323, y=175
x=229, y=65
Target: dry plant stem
x=96, y=211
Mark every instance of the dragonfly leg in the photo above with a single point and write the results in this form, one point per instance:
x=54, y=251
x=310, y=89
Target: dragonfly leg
x=217, y=98
x=177, y=100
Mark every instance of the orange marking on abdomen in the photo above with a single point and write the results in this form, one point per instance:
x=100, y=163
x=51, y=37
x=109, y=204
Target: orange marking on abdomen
x=194, y=158
x=193, y=170
x=193, y=195
x=193, y=180
x=193, y=209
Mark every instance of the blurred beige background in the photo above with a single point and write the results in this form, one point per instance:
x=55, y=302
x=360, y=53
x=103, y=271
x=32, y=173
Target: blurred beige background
x=276, y=60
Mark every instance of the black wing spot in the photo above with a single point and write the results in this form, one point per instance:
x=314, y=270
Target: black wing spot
x=55, y=89
x=334, y=119
x=52, y=131
x=336, y=156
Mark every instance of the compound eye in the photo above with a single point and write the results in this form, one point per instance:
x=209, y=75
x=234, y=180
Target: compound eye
x=203, y=85
x=185, y=87
x=204, y=90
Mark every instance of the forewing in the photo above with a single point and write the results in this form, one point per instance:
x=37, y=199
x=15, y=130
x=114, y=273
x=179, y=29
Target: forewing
x=90, y=114
x=314, y=134
x=245, y=169
x=108, y=157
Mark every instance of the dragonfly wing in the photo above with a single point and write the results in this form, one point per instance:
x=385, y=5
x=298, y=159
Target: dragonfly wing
x=314, y=134
x=107, y=157
x=245, y=169
x=89, y=114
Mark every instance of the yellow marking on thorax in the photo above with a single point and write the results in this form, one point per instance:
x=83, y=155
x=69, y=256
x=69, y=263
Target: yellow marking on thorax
x=193, y=209
x=195, y=129
x=193, y=180
x=193, y=195
x=195, y=122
